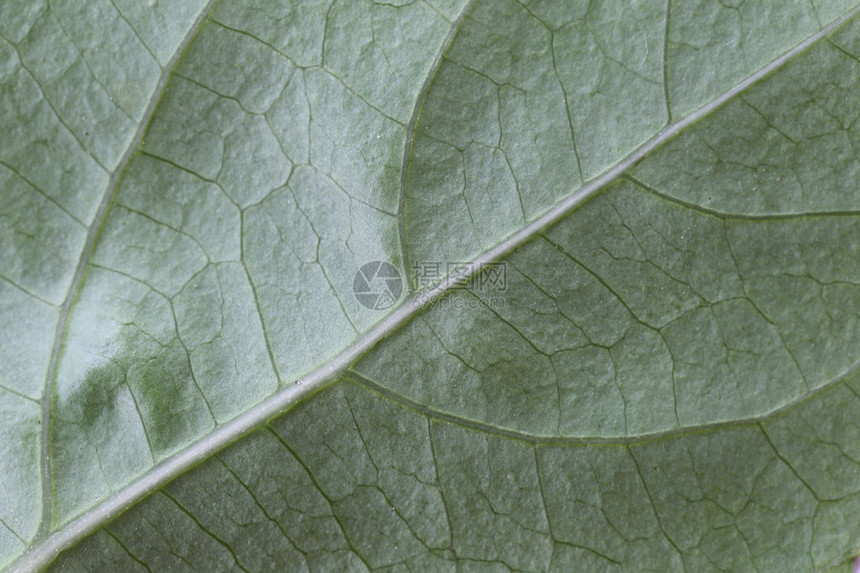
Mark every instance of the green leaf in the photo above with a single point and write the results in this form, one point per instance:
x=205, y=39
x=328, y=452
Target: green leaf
x=652, y=366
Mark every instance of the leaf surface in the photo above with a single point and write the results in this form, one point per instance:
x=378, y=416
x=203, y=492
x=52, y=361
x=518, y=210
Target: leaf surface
x=664, y=380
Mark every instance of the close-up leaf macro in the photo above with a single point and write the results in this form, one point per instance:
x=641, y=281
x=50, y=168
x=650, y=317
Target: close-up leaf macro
x=429, y=285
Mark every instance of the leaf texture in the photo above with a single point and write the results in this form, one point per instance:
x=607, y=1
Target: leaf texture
x=665, y=380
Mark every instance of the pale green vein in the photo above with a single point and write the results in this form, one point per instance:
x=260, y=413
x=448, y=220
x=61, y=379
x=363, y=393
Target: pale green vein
x=724, y=216
x=80, y=272
x=410, y=134
x=435, y=414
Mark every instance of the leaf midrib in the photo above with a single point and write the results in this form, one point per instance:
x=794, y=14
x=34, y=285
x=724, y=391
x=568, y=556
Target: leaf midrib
x=41, y=554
